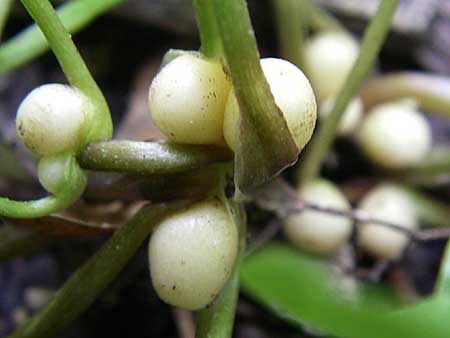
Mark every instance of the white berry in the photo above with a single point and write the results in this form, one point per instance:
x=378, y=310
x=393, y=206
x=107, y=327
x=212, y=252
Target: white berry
x=187, y=100
x=350, y=118
x=293, y=95
x=388, y=203
x=192, y=254
x=317, y=231
x=328, y=58
x=395, y=135
x=50, y=120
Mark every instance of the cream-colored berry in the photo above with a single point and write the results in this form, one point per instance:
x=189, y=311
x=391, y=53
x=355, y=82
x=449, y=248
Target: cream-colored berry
x=328, y=58
x=389, y=203
x=293, y=95
x=187, y=100
x=192, y=254
x=318, y=231
x=52, y=171
x=350, y=118
x=50, y=120
x=395, y=135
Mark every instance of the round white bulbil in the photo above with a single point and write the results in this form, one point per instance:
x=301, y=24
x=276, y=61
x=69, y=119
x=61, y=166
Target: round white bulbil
x=328, y=58
x=350, y=118
x=293, y=95
x=316, y=231
x=395, y=135
x=52, y=171
x=192, y=254
x=187, y=100
x=389, y=203
x=51, y=118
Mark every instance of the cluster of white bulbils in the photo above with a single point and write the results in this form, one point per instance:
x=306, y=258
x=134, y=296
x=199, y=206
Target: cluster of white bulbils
x=192, y=101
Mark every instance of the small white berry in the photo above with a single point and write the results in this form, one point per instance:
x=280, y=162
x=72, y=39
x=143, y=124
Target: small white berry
x=395, y=135
x=192, y=254
x=187, y=100
x=317, y=231
x=50, y=120
x=389, y=203
x=328, y=58
x=293, y=95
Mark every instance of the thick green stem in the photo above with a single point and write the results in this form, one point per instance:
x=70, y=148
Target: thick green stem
x=216, y=320
x=100, y=126
x=373, y=39
x=265, y=146
x=207, y=28
x=323, y=21
x=31, y=43
x=431, y=91
x=292, y=23
x=5, y=8
x=75, y=181
x=82, y=288
x=148, y=157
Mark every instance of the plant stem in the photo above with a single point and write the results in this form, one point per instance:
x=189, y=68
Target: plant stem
x=82, y=288
x=431, y=91
x=148, y=157
x=31, y=43
x=5, y=8
x=292, y=23
x=207, y=28
x=73, y=66
x=75, y=181
x=373, y=39
x=216, y=320
x=321, y=20
x=265, y=145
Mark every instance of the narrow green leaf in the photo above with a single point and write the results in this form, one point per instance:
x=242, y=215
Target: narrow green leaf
x=82, y=288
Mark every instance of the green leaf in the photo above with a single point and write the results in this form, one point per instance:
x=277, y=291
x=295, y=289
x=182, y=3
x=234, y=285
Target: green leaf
x=300, y=289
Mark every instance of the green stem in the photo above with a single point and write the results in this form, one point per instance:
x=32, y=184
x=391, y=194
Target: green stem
x=321, y=20
x=431, y=91
x=75, y=181
x=291, y=17
x=31, y=43
x=5, y=8
x=82, y=288
x=100, y=126
x=207, y=28
x=373, y=39
x=265, y=145
x=442, y=286
x=148, y=157
x=216, y=320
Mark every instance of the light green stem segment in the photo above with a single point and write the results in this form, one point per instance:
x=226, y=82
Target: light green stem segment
x=100, y=124
x=75, y=180
x=216, y=321
x=207, y=28
x=374, y=37
x=83, y=287
x=31, y=43
x=5, y=8
x=292, y=22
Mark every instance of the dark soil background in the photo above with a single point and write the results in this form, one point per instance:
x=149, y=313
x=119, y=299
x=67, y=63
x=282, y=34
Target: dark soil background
x=123, y=49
